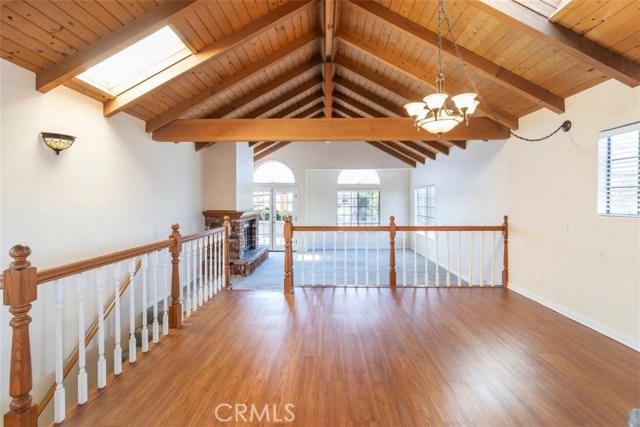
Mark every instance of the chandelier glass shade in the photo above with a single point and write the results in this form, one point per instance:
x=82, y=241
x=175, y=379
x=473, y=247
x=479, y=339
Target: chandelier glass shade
x=433, y=114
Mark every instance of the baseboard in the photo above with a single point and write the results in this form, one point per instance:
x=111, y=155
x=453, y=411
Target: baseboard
x=580, y=318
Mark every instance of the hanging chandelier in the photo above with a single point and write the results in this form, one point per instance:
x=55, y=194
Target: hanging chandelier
x=434, y=115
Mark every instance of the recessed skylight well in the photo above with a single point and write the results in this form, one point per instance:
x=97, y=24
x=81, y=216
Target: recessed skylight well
x=137, y=63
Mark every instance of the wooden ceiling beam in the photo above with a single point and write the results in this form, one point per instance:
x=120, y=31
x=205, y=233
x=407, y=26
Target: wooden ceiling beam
x=393, y=153
x=353, y=103
x=112, y=43
x=481, y=65
x=266, y=89
x=415, y=145
x=388, y=129
x=329, y=29
x=558, y=37
x=460, y=144
x=288, y=96
x=214, y=50
x=379, y=101
x=261, y=155
x=328, y=88
x=394, y=145
x=230, y=82
x=435, y=146
x=412, y=71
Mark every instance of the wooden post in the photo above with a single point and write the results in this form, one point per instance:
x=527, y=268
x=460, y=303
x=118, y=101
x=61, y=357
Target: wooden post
x=392, y=252
x=227, y=231
x=505, y=258
x=288, y=256
x=175, y=309
x=20, y=290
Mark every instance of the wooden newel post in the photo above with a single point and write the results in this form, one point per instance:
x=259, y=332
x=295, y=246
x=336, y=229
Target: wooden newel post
x=505, y=258
x=392, y=252
x=20, y=290
x=288, y=256
x=175, y=309
x=227, y=231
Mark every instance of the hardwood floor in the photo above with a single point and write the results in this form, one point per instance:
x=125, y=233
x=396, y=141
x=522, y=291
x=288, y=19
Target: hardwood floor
x=376, y=358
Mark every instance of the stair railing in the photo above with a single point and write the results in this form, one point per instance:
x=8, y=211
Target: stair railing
x=430, y=256
x=161, y=264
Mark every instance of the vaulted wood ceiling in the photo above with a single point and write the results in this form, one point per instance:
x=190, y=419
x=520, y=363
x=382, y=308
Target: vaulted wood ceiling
x=339, y=68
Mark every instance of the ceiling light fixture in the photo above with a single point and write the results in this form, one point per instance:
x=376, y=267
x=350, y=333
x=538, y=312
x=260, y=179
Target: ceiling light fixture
x=57, y=141
x=434, y=115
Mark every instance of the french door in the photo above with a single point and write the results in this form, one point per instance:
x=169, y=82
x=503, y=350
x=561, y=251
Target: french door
x=274, y=204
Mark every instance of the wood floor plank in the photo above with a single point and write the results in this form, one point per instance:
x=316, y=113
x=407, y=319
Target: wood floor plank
x=376, y=357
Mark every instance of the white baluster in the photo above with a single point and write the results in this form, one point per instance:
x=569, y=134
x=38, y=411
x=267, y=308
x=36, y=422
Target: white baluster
x=448, y=261
x=200, y=278
x=132, y=311
x=194, y=266
x=471, y=260
x=102, y=362
x=165, y=288
x=304, y=251
x=378, y=258
x=404, y=258
x=415, y=259
x=459, y=259
x=335, y=258
x=355, y=251
x=437, y=258
x=223, y=250
x=324, y=255
x=117, y=351
x=187, y=268
x=482, y=258
x=145, y=304
x=345, y=259
x=156, y=326
x=59, y=394
x=82, y=372
x=205, y=261
x=426, y=258
x=366, y=258
x=214, y=255
x=493, y=257
x=210, y=260
x=313, y=258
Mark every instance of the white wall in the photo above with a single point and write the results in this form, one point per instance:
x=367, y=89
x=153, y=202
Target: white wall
x=228, y=176
x=114, y=188
x=589, y=272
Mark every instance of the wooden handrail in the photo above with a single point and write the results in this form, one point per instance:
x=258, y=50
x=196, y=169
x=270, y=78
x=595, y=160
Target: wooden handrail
x=339, y=228
x=199, y=234
x=56, y=273
x=450, y=228
x=87, y=339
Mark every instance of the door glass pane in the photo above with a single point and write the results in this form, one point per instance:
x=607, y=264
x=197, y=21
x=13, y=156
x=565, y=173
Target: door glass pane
x=262, y=203
x=283, y=207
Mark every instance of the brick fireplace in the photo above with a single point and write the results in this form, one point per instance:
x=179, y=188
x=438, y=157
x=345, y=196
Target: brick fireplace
x=245, y=255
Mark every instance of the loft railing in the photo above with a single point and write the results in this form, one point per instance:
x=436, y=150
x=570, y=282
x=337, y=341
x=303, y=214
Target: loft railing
x=200, y=261
x=430, y=256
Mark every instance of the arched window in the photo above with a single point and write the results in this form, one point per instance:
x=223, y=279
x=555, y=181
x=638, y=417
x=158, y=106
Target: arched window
x=273, y=172
x=358, y=176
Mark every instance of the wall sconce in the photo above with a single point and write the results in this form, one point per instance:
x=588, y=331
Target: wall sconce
x=56, y=141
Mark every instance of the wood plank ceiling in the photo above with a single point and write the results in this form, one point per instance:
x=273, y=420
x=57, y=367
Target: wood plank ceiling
x=349, y=61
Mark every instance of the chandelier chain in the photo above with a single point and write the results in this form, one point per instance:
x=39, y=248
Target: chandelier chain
x=475, y=89
x=440, y=13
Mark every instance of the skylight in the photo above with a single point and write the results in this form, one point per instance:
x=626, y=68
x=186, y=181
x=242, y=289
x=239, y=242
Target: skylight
x=137, y=63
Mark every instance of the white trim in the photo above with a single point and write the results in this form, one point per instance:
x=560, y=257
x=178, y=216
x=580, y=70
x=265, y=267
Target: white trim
x=622, y=338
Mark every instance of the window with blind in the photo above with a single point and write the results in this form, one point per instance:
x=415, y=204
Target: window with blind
x=619, y=171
